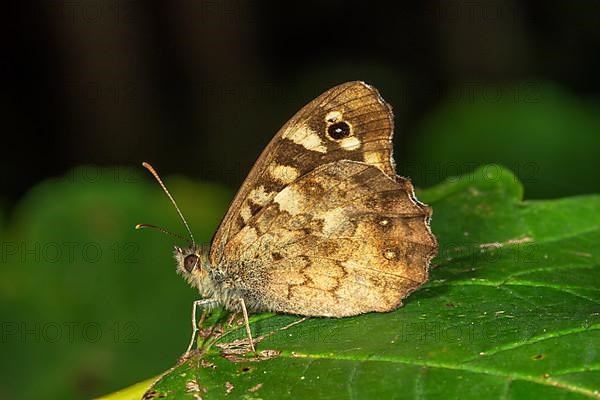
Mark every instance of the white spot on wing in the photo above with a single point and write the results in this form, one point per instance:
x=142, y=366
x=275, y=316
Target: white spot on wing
x=245, y=213
x=305, y=137
x=373, y=158
x=350, y=143
x=389, y=254
x=290, y=201
x=260, y=196
x=284, y=173
x=333, y=116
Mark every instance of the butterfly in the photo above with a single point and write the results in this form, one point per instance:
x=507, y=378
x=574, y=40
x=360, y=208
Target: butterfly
x=322, y=225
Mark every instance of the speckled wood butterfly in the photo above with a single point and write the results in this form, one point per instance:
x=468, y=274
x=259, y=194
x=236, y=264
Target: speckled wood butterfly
x=322, y=225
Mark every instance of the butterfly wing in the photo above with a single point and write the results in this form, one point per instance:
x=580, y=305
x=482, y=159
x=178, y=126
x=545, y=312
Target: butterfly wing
x=341, y=240
x=348, y=122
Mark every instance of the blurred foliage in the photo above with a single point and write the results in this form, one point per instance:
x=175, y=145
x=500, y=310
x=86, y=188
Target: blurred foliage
x=549, y=138
x=87, y=302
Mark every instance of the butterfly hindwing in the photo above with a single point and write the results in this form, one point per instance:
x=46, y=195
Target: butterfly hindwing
x=341, y=240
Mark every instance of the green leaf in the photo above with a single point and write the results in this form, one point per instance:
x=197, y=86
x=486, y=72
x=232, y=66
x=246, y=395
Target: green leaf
x=511, y=311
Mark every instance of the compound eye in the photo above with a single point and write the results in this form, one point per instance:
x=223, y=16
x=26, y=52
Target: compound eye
x=190, y=262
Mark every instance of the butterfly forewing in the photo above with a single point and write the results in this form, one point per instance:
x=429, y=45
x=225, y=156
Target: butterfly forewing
x=348, y=122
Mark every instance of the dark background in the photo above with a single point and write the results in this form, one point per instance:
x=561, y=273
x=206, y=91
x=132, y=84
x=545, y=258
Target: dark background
x=199, y=87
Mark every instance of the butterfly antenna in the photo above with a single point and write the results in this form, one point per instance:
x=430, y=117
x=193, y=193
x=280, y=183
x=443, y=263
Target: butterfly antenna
x=155, y=174
x=163, y=230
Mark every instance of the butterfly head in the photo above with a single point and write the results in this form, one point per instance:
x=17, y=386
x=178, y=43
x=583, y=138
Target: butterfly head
x=193, y=264
x=192, y=261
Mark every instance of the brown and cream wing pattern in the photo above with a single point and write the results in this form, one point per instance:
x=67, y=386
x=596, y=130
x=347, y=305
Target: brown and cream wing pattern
x=348, y=122
x=342, y=240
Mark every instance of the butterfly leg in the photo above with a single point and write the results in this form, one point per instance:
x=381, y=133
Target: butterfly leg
x=247, y=323
x=231, y=318
x=195, y=305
